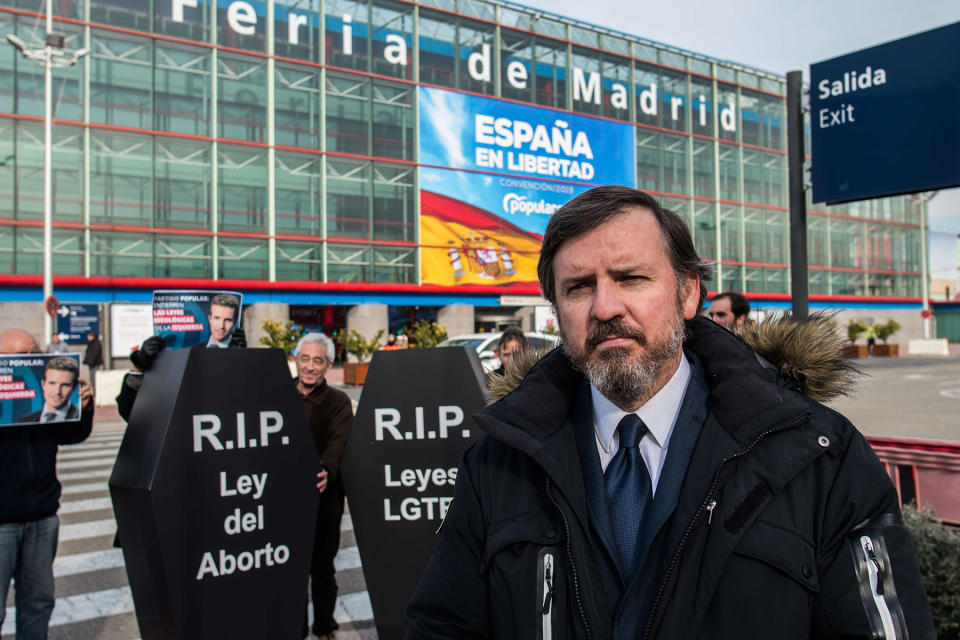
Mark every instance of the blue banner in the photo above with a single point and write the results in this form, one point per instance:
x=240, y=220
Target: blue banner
x=189, y=318
x=461, y=131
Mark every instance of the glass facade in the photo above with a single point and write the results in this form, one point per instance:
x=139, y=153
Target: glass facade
x=278, y=141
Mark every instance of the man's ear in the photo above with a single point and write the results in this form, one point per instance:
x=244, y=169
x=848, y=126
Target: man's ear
x=691, y=297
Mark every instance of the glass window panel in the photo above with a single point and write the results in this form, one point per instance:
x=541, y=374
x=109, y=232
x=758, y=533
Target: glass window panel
x=582, y=35
x=516, y=59
x=242, y=259
x=393, y=202
x=130, y=14
x=648, y=160
x=818, y=282
x=21, y=250
x=702, y=103
x=300, y=261
x=587, y=90
x=242, y=201
x=181, y=256
x=242, y=98
x=349, y=263
x=817, y=242
x=846, y=244
x=645, y=52
x=514, y=17
x=705, y=229
x=764, y=180
x=672, y=59
x=478, y=9
x=297, y=106
x=9, y=58
x=729, y=172
x=616, y=88
x=393, y=120
x=67, y=172
x=390, y=21
x=551, y=73
x=195, y=24
x=728, y=109
x=67, y=82
x=703, y=173
x=674, y=159
x=8, y=146
x=298, y=30
x=475, y=40
x=299, y=194
x=121, y=178
x=346, y=28
x=615, y=44
x=732, y=278
x=646, y=93
x=121, y=254
x=120, y=76
x=182, y=89
x=674, y=105
x=729, y=234
x=438, y=49
x=182, y=180
x=726, y=74
x=348, y=114
x=700, y=66
x=550, y=27
x=680, y=206
x=348, y=198
x=252, y=32
x=394, y=264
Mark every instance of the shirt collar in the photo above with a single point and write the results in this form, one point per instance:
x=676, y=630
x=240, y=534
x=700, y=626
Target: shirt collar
x=659, y=413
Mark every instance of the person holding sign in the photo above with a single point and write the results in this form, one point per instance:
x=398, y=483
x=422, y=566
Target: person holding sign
x=30, y=492
x=60, y=377
x=658, y=478
x=330, y=415
x=222, y=317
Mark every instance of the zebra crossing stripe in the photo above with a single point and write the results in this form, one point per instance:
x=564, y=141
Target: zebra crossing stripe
x=92, y=529
x=79, y=506
x=85, y=562
x=86, y=487
x=84, y=475
x=94, y=462
x=90, y=453
x=83, y=606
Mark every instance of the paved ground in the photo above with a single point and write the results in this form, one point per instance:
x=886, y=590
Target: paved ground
x=908, y=397
x=897, y=396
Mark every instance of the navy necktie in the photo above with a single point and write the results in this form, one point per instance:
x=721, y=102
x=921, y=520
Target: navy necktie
x=628, y=491
x=48, y=416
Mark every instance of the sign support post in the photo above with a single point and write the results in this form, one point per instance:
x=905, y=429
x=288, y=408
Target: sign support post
x=799, y=287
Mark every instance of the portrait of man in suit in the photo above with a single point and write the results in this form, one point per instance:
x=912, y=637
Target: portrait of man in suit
x=59, y=379
x=222, y=316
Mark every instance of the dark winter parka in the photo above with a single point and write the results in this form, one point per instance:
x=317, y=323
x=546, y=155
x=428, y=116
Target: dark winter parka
x=786, y=525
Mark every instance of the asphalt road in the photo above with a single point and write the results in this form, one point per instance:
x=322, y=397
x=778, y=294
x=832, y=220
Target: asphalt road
x=906, y=397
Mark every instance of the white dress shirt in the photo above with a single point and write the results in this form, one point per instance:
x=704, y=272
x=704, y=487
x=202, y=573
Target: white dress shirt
x=659, y=413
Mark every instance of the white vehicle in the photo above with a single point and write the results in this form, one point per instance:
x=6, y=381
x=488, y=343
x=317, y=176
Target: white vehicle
x=485, y=345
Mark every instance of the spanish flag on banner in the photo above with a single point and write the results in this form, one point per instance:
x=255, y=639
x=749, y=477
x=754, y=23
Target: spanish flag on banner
x=463, y=244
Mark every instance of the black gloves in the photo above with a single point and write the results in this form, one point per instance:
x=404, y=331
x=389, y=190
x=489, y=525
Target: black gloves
x=143, y=357
x=239, y=338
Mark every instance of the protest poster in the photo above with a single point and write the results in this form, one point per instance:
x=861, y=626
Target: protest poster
x=189, y=318
x=38, y=388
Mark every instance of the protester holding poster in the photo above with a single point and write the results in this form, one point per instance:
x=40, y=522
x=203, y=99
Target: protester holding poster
x=59, y=379
x=30, y=491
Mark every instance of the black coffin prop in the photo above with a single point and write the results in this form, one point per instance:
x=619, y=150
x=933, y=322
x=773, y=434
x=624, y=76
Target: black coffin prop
x=214, y=490
x=414, y=421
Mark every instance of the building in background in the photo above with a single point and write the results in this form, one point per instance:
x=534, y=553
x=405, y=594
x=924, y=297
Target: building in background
x=368, y=163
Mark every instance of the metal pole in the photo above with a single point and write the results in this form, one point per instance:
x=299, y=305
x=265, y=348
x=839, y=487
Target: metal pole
x=799, y=287
x=48, y=177
x=920, y=201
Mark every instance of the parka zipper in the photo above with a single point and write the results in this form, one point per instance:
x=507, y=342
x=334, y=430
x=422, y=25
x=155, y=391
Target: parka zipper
x=875, y=571
x=573, y=567
x=546, y=578
x=709, y=504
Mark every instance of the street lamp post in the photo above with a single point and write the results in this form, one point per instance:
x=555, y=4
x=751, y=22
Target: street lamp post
x=53, y=54
x=919, y=201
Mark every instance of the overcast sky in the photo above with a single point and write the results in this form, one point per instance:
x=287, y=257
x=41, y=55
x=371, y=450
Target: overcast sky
x=776, y=36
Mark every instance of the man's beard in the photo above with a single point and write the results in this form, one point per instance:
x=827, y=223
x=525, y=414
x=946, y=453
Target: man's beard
x=623, y=379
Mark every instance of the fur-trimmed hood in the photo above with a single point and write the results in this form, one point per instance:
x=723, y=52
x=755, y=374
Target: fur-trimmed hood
x=807, y=354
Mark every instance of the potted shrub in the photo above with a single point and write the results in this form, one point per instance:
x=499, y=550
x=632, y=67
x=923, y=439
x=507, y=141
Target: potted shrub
x=356, y=345
x=425, y=335
x=884, y=332
x=854, y=331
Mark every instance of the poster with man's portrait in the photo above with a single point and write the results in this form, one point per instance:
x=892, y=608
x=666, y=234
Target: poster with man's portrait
x=39, y=388
x=190, y=318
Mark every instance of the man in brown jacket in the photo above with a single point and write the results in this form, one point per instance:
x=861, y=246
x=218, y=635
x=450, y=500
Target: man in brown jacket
x=330, y=416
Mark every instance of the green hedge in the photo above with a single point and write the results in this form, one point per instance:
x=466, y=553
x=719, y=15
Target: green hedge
x=938, y=554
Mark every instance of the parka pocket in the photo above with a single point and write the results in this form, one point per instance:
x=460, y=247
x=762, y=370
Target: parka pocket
x=783, y=550
x=524, y=560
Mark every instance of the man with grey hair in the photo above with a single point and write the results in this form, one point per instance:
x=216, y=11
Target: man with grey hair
x=656, y=478
x=329, y=414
